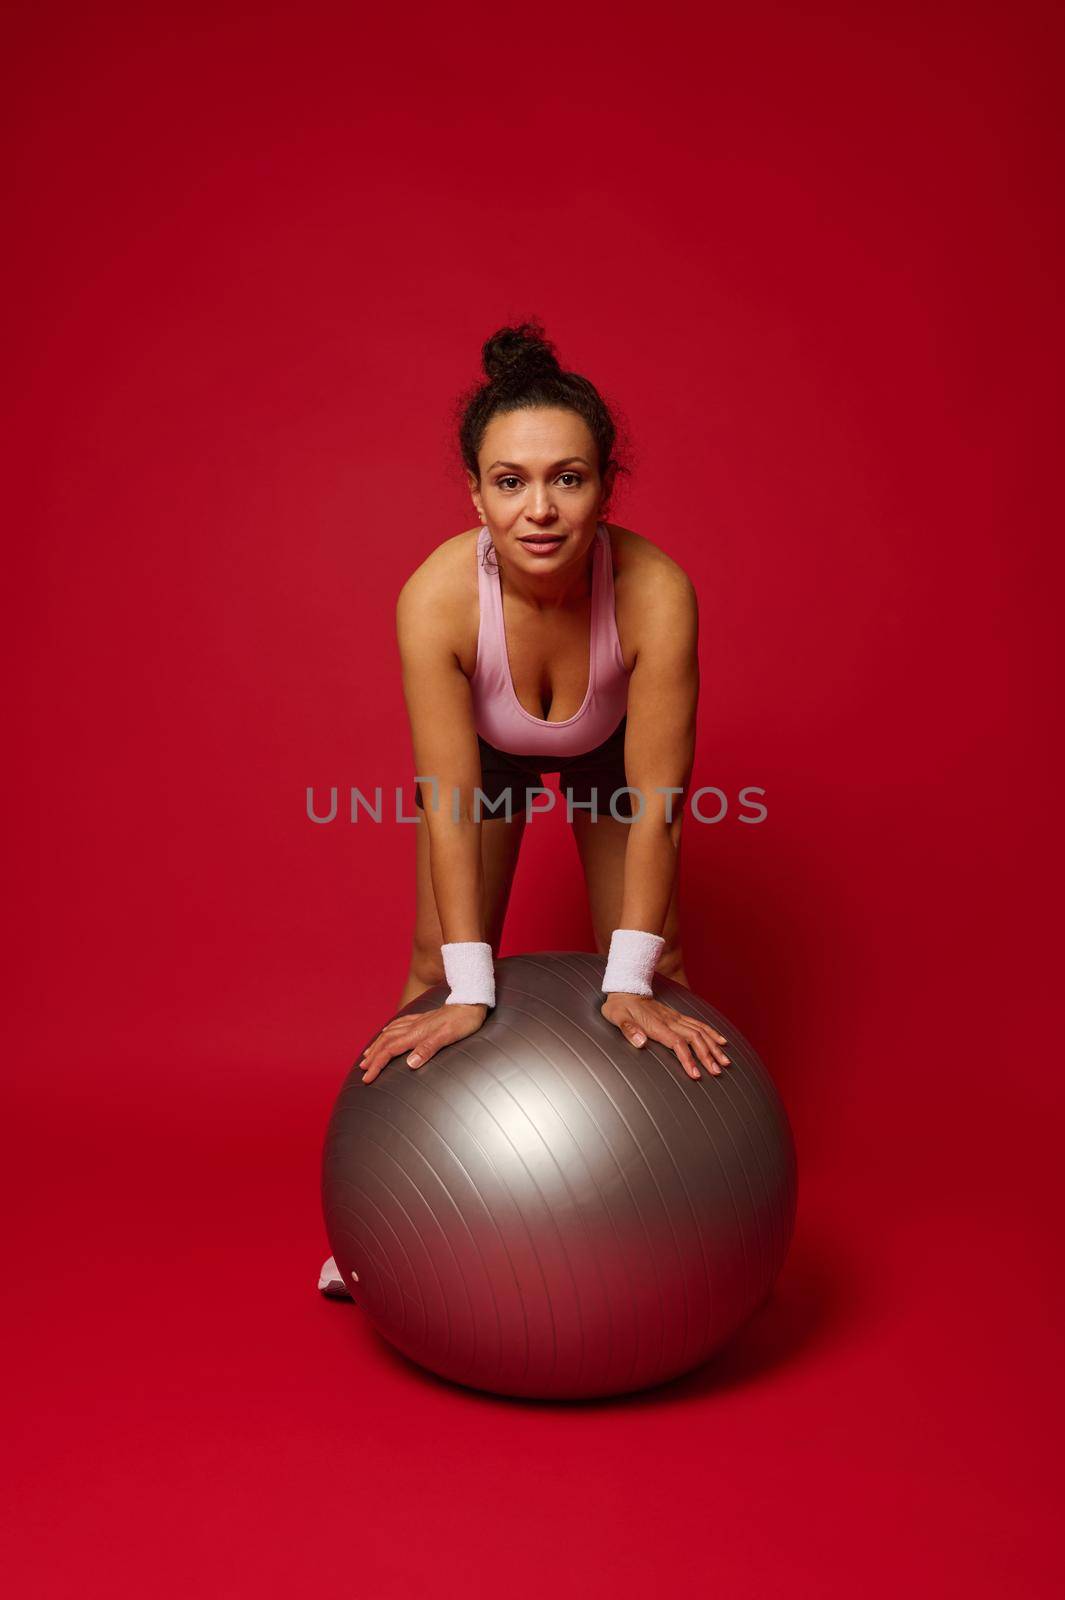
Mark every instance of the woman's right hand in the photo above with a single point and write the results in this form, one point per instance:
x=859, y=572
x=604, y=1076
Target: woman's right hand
x=421, y=1035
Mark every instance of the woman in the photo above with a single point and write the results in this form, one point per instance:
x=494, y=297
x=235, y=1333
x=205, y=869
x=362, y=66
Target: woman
x=545, y=640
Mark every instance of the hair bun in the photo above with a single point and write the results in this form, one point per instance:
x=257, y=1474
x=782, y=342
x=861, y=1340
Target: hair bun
x=518, y=353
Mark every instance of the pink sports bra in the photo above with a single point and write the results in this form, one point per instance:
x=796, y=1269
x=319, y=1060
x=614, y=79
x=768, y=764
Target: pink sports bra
x=499, y=715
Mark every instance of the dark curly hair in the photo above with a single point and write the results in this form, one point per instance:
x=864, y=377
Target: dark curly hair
x=522, y=371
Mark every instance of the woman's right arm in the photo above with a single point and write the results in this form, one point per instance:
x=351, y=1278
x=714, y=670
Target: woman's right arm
x=440, y=710
x=444, y=739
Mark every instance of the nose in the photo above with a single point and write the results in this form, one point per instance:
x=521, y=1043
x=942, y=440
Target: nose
x=540, y=510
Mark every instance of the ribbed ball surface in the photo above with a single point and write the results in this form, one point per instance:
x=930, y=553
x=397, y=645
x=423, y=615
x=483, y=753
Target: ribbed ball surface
x=545, y=1210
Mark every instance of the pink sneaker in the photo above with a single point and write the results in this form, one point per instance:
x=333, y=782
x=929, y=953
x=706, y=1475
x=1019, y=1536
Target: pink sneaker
x=331, y=1283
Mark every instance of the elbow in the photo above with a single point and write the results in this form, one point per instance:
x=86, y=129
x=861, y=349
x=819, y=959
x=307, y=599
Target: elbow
x=450, y=806
x=659, y=805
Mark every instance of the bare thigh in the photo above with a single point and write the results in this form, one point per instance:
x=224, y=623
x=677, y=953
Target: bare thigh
x=500, y=849
x=601, y=847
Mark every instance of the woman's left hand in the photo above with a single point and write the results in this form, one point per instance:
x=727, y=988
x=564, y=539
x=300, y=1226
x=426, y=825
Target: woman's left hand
x=641, y=1019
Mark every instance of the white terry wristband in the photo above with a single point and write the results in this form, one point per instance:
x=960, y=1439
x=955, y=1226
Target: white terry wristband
x=631, y=961
x=468, y=969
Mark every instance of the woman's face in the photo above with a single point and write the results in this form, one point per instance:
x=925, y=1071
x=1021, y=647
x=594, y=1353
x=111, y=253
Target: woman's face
x=539, y=482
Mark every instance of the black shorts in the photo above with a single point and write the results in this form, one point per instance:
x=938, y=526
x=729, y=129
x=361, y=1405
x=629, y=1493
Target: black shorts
x=599, y=772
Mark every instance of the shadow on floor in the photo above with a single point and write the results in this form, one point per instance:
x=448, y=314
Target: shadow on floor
x=816, y=1298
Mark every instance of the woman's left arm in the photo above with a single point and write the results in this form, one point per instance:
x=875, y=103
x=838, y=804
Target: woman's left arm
x=660, y=744
x=659, y=754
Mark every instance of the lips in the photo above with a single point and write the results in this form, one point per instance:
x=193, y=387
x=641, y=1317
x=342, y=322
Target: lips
x=546, y=542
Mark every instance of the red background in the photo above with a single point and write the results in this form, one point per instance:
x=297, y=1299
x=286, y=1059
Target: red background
x=813, y=255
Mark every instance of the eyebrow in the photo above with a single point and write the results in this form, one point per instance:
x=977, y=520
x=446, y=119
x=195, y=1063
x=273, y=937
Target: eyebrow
x=519, y=468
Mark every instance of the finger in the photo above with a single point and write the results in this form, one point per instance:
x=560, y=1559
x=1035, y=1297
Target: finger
x=380, y=1053
x=634, y=1033
x=425, y=1050
x=398, y=1036
x=686, y=1060
x=708, y=1036
x=719, y=1038
x=693, y=1035
x=397, y=1025
x=683, y=1054
x=374, y=1047
x=707, y=1053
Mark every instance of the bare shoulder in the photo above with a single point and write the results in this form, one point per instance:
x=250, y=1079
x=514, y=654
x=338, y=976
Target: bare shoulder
x=446, y=569
x=440, y=595
x=653, y=595
x=639, y=562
